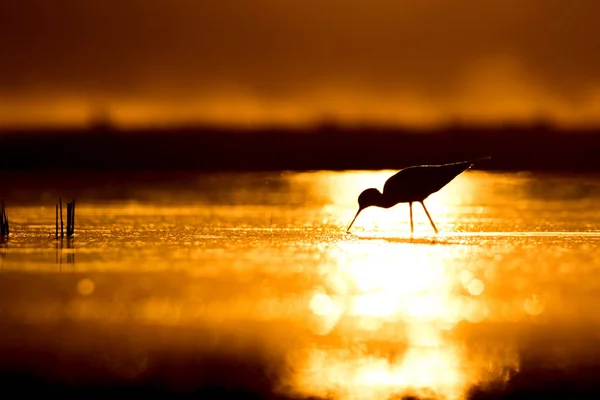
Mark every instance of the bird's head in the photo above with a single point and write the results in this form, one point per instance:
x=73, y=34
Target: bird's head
x=369, y=197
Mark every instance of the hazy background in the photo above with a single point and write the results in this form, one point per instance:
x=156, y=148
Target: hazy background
x=148, y=62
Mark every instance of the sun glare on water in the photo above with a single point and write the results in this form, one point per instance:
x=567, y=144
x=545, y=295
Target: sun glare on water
x=393, y=306
x=388, y=308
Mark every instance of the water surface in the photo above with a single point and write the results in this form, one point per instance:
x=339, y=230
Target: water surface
x=248, y=283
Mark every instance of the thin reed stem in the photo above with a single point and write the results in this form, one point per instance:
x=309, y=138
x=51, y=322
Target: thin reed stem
x=73, y=217
x=61, y=218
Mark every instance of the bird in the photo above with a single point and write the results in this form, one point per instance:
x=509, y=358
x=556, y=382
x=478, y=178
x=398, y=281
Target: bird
x=413, y=184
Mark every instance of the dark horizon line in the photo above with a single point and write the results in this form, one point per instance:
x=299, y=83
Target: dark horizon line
x=322, y=124
x=327, y=148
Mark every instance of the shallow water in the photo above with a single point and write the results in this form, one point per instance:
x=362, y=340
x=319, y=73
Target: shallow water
x=250, y=281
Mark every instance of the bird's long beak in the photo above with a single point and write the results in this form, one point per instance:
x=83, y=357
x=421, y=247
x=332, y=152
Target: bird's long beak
x=358, y=212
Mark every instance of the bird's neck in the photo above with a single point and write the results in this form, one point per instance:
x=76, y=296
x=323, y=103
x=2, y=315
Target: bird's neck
x=383, y=202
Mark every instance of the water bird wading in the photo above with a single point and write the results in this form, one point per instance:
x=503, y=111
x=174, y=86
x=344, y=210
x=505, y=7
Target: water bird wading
x=413, y=184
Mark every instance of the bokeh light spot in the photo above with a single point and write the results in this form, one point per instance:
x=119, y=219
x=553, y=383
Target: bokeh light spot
x=475, y=287
x=85, y=287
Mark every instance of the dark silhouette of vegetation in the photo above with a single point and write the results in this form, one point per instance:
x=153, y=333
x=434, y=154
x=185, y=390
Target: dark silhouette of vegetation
x=70, y=218
x=4, y=228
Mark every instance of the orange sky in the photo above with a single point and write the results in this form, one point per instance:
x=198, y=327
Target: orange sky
x=265, y=61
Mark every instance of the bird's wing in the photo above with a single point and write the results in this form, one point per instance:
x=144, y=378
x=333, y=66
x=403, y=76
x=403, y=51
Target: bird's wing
x=416, y=183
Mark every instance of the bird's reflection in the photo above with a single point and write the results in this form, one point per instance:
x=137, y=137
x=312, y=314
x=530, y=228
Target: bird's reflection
x=414, y=240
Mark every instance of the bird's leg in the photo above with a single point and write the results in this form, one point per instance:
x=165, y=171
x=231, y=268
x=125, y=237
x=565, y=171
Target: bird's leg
x=412, y=229
x=429, y=216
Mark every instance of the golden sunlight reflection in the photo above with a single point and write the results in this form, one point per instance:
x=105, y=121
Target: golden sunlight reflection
x=264, y=275
x=357, y=375
x=409, y=297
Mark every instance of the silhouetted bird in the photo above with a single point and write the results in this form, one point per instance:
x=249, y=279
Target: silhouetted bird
x=412, y=184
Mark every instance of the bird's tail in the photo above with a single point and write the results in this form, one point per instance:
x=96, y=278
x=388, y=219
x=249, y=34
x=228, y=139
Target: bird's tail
x=479, y=159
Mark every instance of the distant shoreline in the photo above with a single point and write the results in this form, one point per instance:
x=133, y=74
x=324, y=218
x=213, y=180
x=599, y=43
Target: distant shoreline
x=328, y=147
